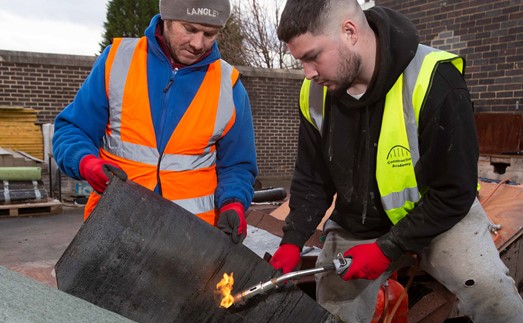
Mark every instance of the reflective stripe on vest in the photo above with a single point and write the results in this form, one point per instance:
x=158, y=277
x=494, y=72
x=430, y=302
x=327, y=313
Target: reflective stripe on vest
x=312, y=98
x=398, y=150
x=187, y=166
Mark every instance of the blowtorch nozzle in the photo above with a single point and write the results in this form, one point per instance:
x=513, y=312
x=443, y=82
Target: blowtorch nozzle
x=260, y=288
x=339, y=264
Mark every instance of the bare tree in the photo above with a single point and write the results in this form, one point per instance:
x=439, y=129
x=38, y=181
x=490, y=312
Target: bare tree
x=230, y=42
x=258, y=21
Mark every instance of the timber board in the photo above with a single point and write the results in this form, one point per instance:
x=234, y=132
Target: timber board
x=30, y=209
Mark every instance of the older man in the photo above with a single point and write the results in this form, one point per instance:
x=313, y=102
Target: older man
x=166, y=111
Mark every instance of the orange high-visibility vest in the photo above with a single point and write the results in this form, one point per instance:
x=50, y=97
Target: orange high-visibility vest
x=187, y=168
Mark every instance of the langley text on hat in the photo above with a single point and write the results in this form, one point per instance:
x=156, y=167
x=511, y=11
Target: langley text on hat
x=203, y=12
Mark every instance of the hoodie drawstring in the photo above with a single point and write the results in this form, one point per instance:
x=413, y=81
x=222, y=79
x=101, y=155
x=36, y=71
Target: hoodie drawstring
x=366, y=163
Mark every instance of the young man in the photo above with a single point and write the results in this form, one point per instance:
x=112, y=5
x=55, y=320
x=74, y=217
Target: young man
x=393, y=137
x=171, y=114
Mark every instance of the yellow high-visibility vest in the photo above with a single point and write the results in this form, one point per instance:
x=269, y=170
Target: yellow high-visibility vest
x=398, y=150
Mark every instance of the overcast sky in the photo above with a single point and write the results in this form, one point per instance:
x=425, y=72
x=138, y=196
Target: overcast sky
x=54, y=26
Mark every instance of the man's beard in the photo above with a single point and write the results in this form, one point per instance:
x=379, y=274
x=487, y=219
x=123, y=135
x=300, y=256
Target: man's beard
x=350, y=65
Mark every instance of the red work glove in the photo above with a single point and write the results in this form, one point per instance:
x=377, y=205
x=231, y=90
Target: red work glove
x=368, y=262
x=232, y=221
x=96, y=172
x=286, y=258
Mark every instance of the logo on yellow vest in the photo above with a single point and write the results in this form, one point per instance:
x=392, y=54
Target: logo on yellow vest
x=399, y=156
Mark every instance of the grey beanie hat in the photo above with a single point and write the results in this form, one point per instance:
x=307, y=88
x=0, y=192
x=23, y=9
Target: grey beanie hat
x=208, y=12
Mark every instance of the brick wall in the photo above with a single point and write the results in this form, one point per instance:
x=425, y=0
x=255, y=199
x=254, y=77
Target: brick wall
x=489, y=34
x=48, y=82
x=274, y=99
x=44, y=82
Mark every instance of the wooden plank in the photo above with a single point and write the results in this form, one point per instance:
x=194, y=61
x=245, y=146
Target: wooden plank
x=31, y=209
x=499, y=132
x=19, y=130
x=149, y=260
x=504, y=206
x=27, y=115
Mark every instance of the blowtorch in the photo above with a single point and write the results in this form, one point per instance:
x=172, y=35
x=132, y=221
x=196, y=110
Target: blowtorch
x=340, y=264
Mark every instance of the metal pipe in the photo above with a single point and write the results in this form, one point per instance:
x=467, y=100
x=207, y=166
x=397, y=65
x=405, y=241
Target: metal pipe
x=301, y=273
x=340, y=264
x=275, y=282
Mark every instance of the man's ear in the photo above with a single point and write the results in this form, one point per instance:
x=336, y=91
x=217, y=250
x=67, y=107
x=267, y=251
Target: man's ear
x=350, y=30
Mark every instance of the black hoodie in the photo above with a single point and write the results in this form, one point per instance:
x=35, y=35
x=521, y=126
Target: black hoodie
x=342, y=160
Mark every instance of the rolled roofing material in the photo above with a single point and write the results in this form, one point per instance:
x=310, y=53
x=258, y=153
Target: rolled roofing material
x=150, y=260
x=270, y=194
x=20, y=173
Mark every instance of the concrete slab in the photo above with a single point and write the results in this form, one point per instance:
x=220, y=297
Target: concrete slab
x=32, y=245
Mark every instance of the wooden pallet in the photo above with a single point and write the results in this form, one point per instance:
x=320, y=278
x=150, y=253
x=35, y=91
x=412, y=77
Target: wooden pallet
x=30, y=209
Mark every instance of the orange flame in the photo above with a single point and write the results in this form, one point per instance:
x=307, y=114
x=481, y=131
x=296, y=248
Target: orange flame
x=224, y=289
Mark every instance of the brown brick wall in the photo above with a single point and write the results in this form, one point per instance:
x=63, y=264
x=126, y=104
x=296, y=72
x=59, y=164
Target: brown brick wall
x=48, y=82
x=274, y=99
x=489, y=34
x=44, y=82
